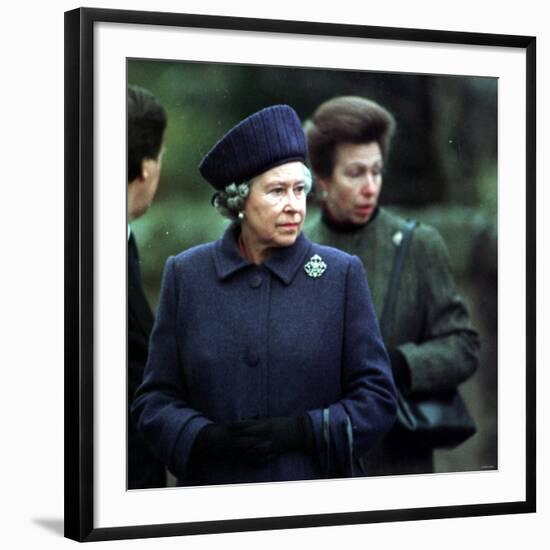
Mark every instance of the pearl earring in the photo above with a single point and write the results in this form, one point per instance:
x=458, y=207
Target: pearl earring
x=240, y=215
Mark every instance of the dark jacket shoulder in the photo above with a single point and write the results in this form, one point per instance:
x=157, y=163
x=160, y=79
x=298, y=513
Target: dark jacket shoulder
x=199, y=252
x=427, y=239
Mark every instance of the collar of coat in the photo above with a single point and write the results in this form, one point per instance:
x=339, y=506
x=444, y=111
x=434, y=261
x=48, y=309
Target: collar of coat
x=284, y=262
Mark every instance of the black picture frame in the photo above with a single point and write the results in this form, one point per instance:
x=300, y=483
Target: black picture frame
x=79, y=272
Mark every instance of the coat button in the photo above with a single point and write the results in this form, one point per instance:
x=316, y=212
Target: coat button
x=256, y=281
x=253, y=359
x=397, y=238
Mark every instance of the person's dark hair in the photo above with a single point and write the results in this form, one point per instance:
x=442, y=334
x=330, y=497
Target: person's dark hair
x=346, y=119
x=146, y=124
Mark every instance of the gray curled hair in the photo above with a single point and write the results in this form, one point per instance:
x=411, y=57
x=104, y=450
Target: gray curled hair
x=231, y=201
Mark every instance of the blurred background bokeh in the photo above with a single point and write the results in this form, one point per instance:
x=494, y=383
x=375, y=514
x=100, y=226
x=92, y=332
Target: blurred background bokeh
x=442, y=170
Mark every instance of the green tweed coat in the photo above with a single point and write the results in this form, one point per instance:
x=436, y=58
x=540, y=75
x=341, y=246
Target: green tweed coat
x=431, y=325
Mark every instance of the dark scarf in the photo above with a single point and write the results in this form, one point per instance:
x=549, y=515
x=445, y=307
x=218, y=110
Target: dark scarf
x=343, y=227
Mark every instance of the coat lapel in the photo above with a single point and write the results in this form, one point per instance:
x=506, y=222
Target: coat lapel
x=284, y=262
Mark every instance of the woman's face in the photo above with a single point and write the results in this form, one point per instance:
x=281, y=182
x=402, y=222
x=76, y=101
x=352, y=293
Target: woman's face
x=353, y=189
x=275, y=209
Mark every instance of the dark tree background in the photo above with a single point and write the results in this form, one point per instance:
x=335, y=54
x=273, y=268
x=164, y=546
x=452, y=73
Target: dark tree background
x=442, y=170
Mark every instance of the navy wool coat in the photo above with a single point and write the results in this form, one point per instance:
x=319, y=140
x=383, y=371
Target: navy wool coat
x=235, y=341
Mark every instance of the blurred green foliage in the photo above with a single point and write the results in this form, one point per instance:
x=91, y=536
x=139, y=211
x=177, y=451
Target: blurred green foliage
x=444, y=151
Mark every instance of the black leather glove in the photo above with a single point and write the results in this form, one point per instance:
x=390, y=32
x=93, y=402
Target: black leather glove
x=222, y=442
x=281, y=434
x=400, y=369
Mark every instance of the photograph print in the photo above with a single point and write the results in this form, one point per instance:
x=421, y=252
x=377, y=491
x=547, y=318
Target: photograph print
x=312, y=274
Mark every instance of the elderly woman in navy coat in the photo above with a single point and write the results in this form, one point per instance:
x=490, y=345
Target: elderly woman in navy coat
x=266, y=361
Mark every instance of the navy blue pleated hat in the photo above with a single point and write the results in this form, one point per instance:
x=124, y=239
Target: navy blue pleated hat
x=268, y=138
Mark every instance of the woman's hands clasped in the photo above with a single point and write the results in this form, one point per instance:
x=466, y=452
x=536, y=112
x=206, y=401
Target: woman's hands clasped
x=253, y=442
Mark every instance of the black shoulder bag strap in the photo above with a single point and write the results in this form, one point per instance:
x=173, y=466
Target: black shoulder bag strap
x=439, y=421
x=386, y=319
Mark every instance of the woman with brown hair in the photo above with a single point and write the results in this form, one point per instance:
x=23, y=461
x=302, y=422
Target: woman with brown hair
x=428, y=334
